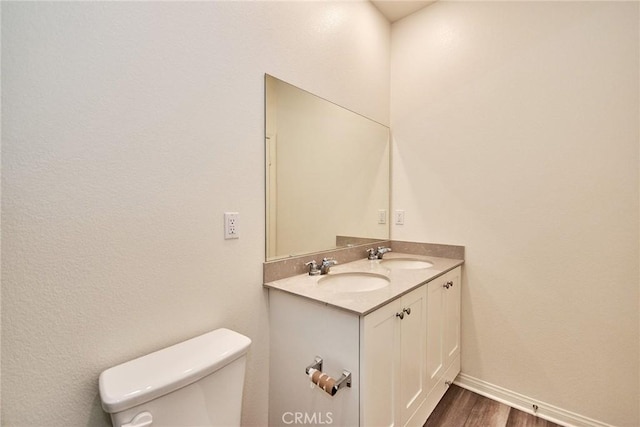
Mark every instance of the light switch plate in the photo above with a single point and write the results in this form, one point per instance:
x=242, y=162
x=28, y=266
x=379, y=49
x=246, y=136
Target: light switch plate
x=382, y=216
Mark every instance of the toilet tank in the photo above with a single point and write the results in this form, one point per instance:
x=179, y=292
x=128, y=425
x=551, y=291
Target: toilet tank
x=198, y=382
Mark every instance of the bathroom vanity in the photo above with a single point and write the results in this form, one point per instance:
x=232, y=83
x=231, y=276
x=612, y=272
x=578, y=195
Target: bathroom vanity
x=392, y=324
x=387, y=329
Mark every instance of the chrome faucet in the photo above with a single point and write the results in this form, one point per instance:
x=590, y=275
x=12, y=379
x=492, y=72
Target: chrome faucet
x=377, y=253
x=313, y=268
x=327, y=263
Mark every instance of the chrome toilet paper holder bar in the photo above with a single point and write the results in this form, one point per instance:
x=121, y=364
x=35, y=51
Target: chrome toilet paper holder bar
x=317, y=365
x=343, y=381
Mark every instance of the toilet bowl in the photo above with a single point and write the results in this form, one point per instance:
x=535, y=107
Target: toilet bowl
x=198, y=382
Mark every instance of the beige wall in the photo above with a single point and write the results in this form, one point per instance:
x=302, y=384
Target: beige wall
x=516, y=134
x=128, y=129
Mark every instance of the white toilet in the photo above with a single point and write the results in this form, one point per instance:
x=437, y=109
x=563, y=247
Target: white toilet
x=197, y=382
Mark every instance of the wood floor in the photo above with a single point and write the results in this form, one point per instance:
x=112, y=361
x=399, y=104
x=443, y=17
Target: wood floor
x=463, y=408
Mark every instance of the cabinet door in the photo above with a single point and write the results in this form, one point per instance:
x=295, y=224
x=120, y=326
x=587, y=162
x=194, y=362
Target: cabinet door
x=413, y=360
x=451, y=330
x=380, y=362
x=435, y=324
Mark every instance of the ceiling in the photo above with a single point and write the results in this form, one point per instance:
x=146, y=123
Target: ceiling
x=398, y=9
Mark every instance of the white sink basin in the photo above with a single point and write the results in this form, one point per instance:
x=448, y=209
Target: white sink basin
x=353, y=282
x=405, y=263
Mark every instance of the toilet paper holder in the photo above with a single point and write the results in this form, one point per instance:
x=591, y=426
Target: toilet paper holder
x=324, y=381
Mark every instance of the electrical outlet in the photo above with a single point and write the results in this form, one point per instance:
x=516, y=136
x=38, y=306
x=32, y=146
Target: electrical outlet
x=231, y=225
x=399, y=215
x=382, y=216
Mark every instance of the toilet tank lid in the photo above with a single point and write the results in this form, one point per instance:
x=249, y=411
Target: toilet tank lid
x=149, y=377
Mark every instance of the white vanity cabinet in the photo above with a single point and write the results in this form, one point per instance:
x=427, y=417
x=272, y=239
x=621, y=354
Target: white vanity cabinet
x=443, y=335
x=402, y=356
x=393, y=360
x=410, y=353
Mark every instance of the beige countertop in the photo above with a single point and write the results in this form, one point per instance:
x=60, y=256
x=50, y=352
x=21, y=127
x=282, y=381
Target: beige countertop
x=401, y=281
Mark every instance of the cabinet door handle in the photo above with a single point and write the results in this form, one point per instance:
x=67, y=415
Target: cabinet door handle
x=407, y=310
x=446, y=285
x=400, y=315
x=450, y=283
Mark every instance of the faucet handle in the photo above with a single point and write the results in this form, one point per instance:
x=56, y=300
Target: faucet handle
x=373, y=254
x=382, y=250
x=331, y=261
x=313, y=267
x=326, y=265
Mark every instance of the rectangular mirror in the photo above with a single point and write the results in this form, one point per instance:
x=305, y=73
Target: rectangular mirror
x=327, y=174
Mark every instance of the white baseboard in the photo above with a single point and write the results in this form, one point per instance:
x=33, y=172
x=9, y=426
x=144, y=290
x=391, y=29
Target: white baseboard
x=516, y=400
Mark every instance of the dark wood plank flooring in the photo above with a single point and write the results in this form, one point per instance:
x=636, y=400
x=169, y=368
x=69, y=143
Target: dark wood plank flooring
x=463, y=408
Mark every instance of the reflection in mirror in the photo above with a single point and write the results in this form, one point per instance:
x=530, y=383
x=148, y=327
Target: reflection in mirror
x=327, y=174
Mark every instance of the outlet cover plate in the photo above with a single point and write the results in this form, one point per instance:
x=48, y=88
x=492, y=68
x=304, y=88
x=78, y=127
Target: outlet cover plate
x=231, y=225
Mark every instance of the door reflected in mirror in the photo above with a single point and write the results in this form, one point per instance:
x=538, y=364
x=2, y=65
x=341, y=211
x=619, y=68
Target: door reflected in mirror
x=327, y=174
